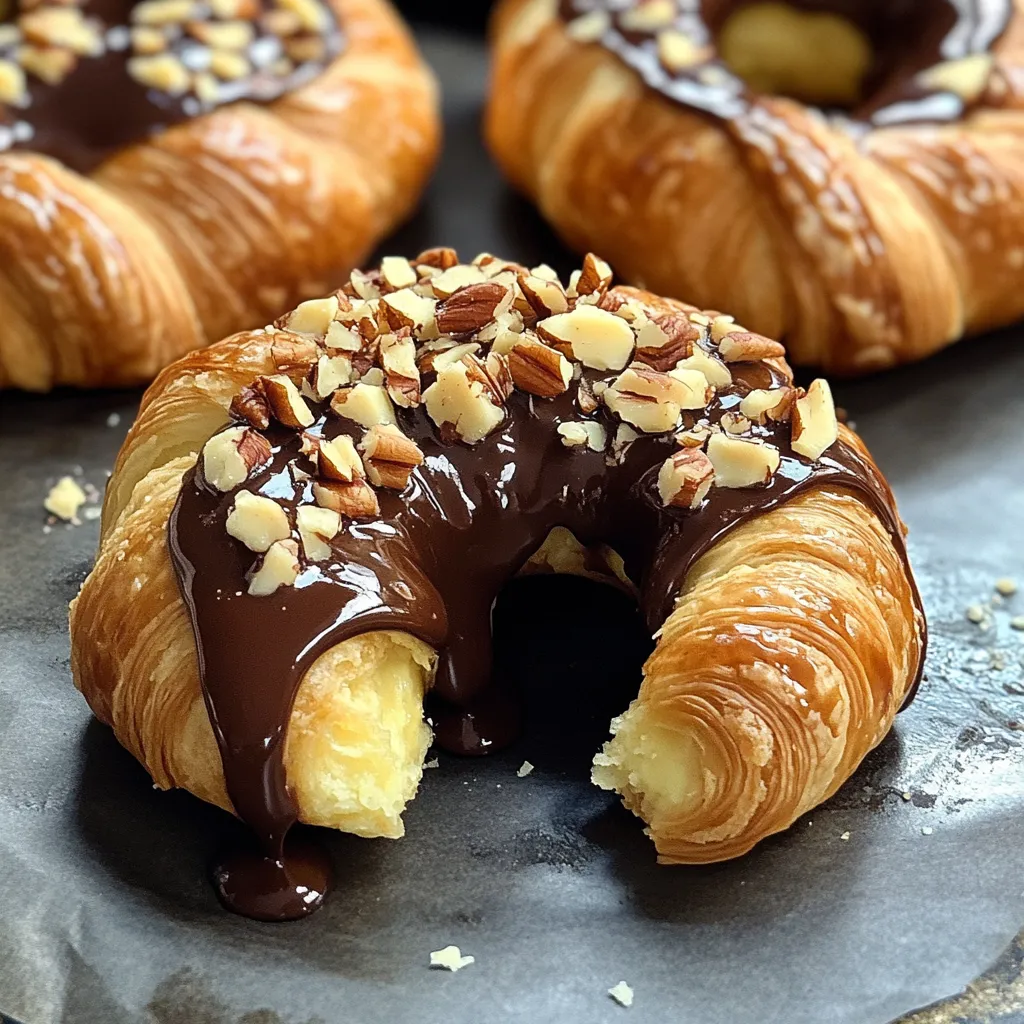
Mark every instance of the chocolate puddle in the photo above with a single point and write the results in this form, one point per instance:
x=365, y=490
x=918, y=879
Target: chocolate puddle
x=433, y=564
x=907, y=36
x=99, y=107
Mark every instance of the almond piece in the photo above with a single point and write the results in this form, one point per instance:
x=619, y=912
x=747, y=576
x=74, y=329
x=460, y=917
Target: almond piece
x=678, y=52
x=366, y=286
x=580, y=433
x=685, y=390
x=734, y=423
x=449, y=281
x=499, y=376
x=445, y=357
x=473, y=307
x=257, y=521
x=685, y=478
x=747, y=347
x=231, y=456
x=401, y=375
x=722, y=324
x=13, y=84
x=367, y=404
x=251, y=405
x=398, y=272
x=405, y=308
x=317, y=527
x=338, y=459
x=293, y=354
x=464, y=403
x=648, y=16
x=596, y=338
x=286, y=404
x=312, y=317
x=695, y=436
x=966, y=77
x=585, y=398
x=740, y=462
x=280, y=568
x=538, y=369
x=595, y=277
x=442, y=258
x=666, y=340
x=717, y=374
x=357, y=500
x=342, y=338
x=763, y=405
x=546, y=298
x=328, y=374
x=390, y=457
x=589, y=27
x=815, y=427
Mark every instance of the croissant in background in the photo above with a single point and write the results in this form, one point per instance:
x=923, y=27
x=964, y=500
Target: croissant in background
x=123, y=246
x=864, y=240
x=326, y=511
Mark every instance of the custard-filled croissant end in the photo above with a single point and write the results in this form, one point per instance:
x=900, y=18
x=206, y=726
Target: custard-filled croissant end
x=307, y=527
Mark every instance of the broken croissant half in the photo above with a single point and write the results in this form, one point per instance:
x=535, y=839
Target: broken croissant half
x=308, y=524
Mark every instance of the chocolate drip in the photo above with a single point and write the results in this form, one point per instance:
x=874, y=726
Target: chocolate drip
x=907, y=37
x=433, y=564
x=99, y=106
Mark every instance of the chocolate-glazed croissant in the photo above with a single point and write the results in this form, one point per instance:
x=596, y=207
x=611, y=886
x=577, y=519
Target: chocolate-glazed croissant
x=173, y=172
x=307, y=527
x=863, y=240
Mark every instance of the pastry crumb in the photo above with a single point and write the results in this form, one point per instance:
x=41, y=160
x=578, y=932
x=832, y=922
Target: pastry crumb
x=524, y=769
x=926, y=831
x=1006, y=586
x=845, y=836
x=622, y=994
x=450, y=958
x=975, y=613
x=66, y=497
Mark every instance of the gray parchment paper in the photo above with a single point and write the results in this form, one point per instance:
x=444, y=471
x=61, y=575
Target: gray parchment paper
x=106, y=917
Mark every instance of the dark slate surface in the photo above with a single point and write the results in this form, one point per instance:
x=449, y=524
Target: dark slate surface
x=105, y=917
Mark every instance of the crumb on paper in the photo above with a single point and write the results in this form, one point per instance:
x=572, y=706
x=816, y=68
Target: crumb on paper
x=524, y=769
x=450, y=958
x=66, y=497
x=432, y=763
x=1017, y=622
x=113, y=419
x=907, y=795
x=845, y=836
x=926, y=831
x=622, y=994
x=1006, y=586
x=975, y=613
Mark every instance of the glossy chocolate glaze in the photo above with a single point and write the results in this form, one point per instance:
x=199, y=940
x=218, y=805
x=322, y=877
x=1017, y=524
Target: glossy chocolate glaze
x=907, y=37
x=99, y=107
x=433, y=564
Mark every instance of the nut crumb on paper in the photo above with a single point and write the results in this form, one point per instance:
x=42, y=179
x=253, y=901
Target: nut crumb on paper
x=450, y=958
x=524, y=769
x=64, y=500
x=622, y=994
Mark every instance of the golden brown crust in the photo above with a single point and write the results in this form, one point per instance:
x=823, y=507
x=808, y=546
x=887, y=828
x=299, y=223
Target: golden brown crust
x=919, y=241
x=217, y=224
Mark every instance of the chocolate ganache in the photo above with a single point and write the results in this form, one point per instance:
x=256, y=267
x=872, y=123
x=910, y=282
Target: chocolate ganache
x=434, y=558
x=914, y=46
x=81, y=80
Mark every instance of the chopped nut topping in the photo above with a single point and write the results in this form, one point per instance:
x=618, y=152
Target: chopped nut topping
x=735, y=423
x=341, y=338
x=398, y=272
x=286, y=404
x=586, y=399
x=390, y=457
x=13, y=84
x=966, y=77
x=695, y=436
x=257, y=521
x=357, y=500
x=456, y=398
x=717, y=374
x=251, y=405
x=230, y=457
x=648, y=16
x=280, y=568
x=293, y=354
x=329, y=374
x=163, y=72
x=317, y=527
x=338, y=459
x=677, y=51
x=595, y=277
x=401, y=374
x=745, y=347
x=367, y=404
x=538, y=369
x=666, y=340
x=589, y=27
x=686, y=478
x=740, y=462
x=545, y=298
x=312, y=317
x=441, y=258
x=449, y=281
x=596, y=338
x=405, y=308
x=447, y=356
x=814, y=425
x=578, y=433
x=473, y=307
x=761, y=406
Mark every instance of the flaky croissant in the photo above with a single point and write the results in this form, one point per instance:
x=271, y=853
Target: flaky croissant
x=862, y=245
x=219, y=223
x=395, y=452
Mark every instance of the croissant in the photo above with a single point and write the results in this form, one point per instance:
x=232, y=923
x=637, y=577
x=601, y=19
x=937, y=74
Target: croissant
x=307, y=527
x=134, y=229
x=865, y=238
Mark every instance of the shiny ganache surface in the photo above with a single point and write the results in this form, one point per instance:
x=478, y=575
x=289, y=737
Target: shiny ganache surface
x=907, y=37
x=88, y=78
x=432, y=563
